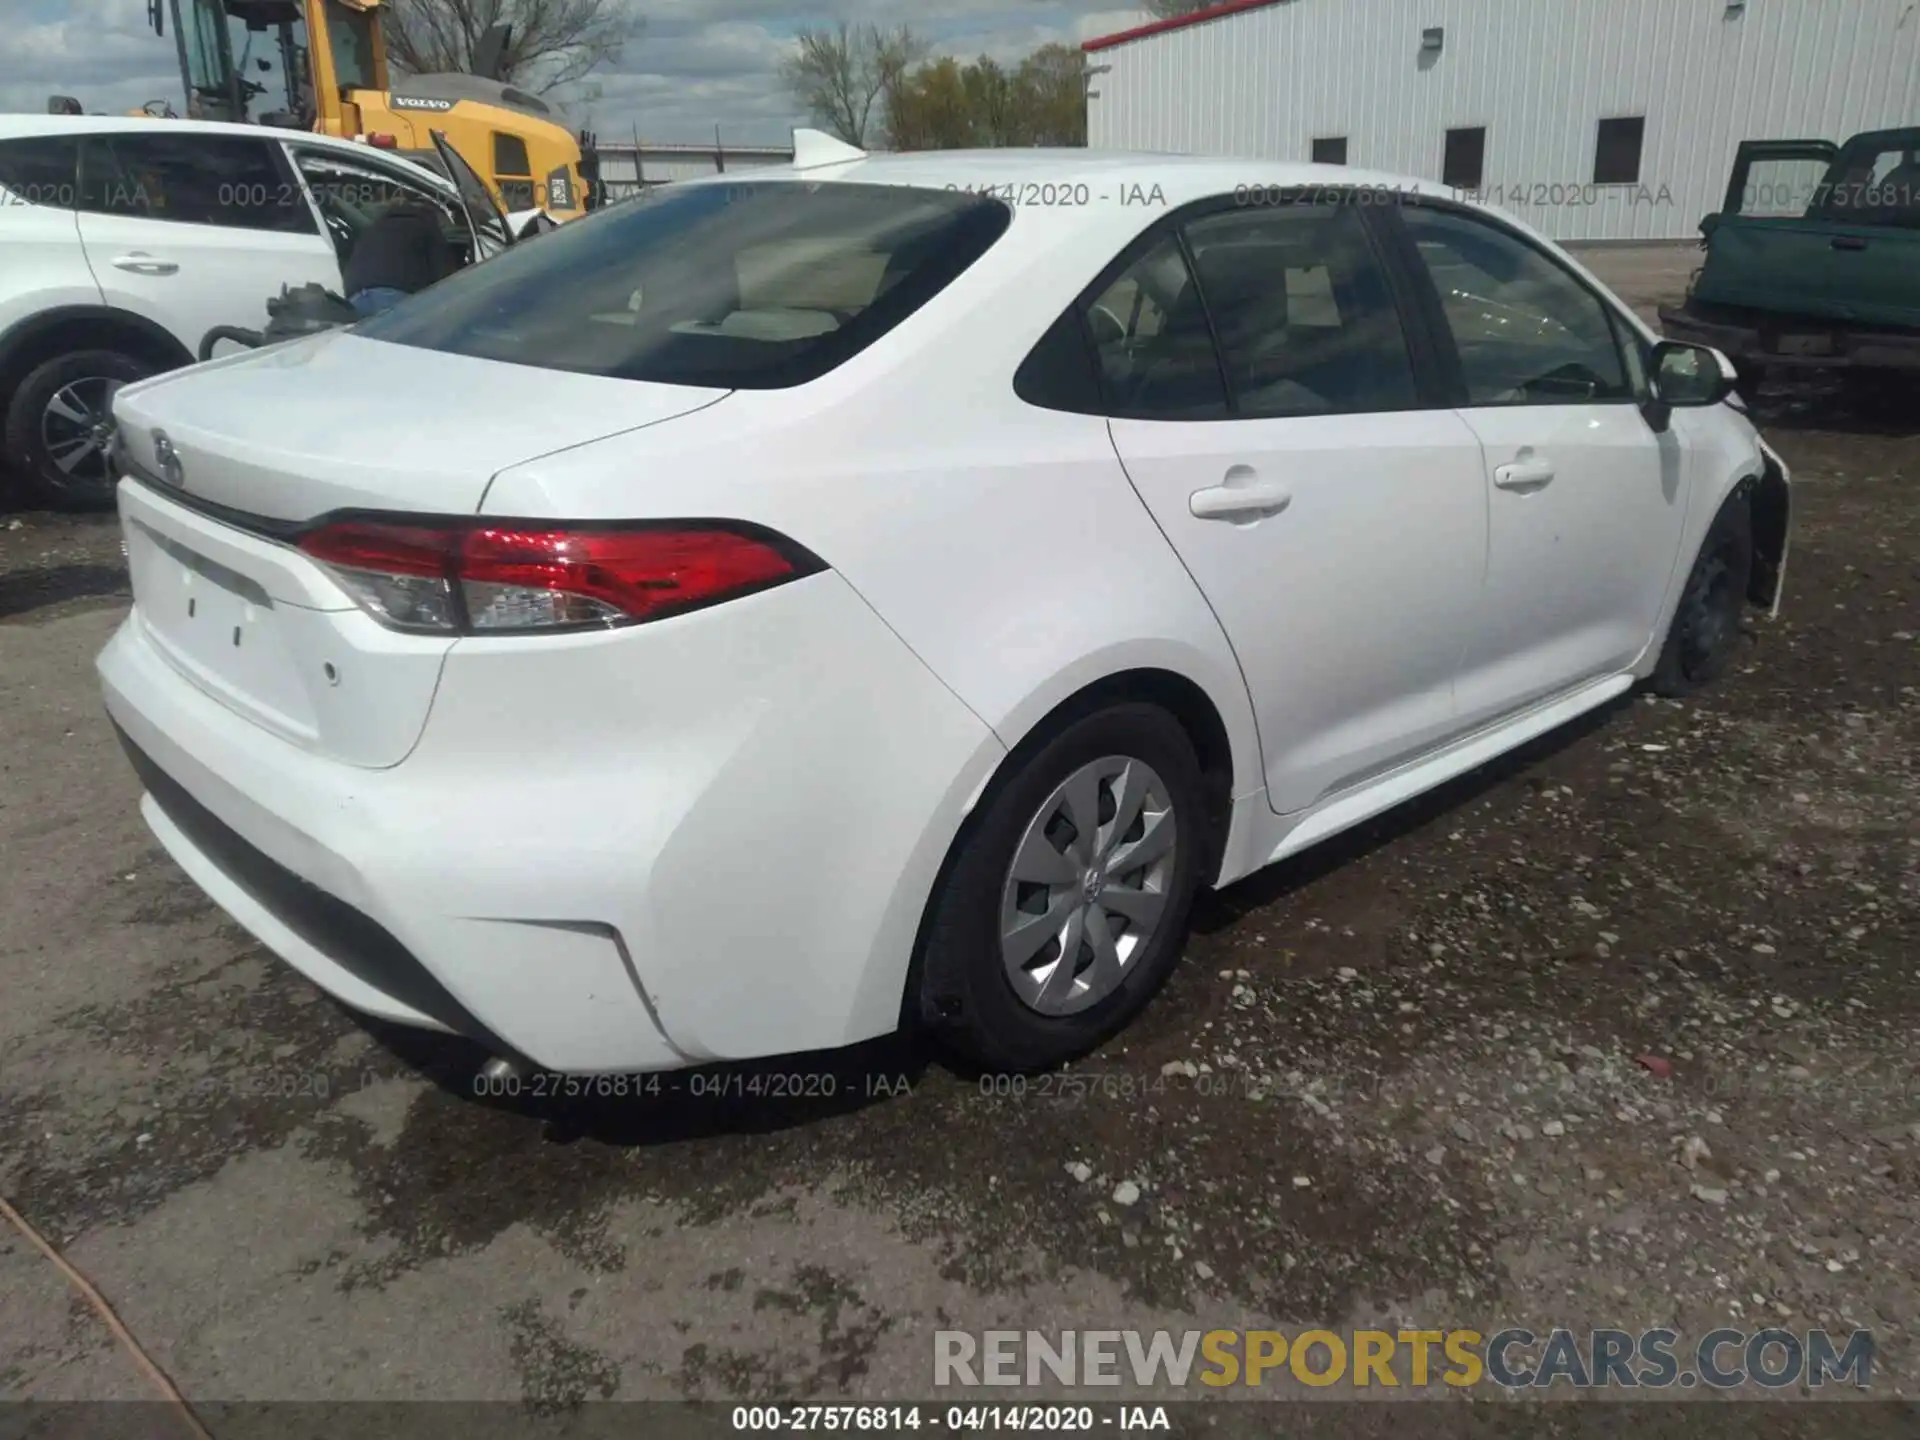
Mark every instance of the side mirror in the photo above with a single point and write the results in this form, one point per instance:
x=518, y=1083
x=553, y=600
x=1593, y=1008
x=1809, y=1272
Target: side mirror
x=1690, y=376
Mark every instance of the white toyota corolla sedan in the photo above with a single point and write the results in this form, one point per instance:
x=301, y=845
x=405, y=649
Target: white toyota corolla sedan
x=886, y=590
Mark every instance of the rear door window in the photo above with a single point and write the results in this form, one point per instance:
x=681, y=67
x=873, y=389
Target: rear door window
x=754, y=286
x=193, y=179
x=38, y=170
x=1306, y=319
x=1153, y=347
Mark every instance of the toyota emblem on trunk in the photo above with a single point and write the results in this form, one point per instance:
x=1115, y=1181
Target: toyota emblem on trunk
x=171, y=470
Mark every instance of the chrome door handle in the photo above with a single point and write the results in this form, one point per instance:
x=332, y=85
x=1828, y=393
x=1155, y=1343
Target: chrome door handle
x=1239, y=502
x=1523, y=475
x=141, y=263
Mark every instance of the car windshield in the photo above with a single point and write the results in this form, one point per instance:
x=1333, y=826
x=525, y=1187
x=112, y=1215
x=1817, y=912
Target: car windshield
x=754, y=286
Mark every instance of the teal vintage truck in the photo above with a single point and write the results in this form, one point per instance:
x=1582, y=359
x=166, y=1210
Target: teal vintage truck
x=1813, y=262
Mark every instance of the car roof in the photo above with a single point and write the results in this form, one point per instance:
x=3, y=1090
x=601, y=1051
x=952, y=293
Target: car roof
x=31, y=124
x=13, y=127
x=1125, y=190
x=1108, y=174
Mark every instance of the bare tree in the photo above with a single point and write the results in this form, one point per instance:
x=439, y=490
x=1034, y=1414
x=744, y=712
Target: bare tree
x=842, y=75
x=1174, y=9
x=554, y=42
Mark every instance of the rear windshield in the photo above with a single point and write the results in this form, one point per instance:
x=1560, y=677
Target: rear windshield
x=751, y=286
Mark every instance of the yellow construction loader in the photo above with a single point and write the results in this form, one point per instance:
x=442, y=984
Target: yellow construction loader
x=333, y=58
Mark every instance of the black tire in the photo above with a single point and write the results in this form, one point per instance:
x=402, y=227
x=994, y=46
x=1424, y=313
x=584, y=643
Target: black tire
x=91, y=375
x=965, y=997
x=1706, y=623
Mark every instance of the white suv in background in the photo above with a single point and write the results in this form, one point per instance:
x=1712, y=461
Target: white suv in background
x=127, y=239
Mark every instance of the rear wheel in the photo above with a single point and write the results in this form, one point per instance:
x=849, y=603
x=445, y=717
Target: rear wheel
x=59, y=427
x=1706, y=624
x=1066, y=906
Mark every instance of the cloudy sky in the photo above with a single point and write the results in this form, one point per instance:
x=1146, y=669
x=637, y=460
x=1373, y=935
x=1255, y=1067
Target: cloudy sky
x=692, y=65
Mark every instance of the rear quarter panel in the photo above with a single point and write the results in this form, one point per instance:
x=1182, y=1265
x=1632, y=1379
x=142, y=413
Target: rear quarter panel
x=1001, y=542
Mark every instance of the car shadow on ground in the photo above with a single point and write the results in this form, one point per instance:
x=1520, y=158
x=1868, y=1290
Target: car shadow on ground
x=22, y=591
x=789, y=1091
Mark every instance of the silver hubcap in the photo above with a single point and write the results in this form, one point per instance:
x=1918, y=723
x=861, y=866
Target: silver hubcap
x=1088, y=885
x=77, y=429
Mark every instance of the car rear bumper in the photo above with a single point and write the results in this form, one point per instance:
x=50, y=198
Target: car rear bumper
x=1794, y=341
x=612, y=852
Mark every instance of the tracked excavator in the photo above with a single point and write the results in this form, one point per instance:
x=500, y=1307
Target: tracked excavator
x=332, y=57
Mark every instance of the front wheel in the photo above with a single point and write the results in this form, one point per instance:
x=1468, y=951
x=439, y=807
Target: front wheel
x=1706, y=623
x=1066, y=904
x=59, y=428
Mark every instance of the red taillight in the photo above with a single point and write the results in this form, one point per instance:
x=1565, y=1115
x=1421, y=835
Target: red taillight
x=477, y=578
x=381, y=141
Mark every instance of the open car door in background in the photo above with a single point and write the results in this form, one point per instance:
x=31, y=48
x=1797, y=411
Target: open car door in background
x=1810, y=228
x=491, y=232
x=1773, y=187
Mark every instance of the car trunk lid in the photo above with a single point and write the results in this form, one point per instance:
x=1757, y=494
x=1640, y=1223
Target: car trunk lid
x=230, y=462
x=339, y=422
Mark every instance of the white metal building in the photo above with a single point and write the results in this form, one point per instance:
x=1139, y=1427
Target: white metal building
x=1553, y=88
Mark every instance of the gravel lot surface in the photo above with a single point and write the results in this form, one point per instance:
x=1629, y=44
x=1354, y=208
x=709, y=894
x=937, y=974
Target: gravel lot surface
x=1619, y=1032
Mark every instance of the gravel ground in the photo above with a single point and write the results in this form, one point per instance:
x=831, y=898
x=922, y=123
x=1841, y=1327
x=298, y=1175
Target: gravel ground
x=1619, y=1032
